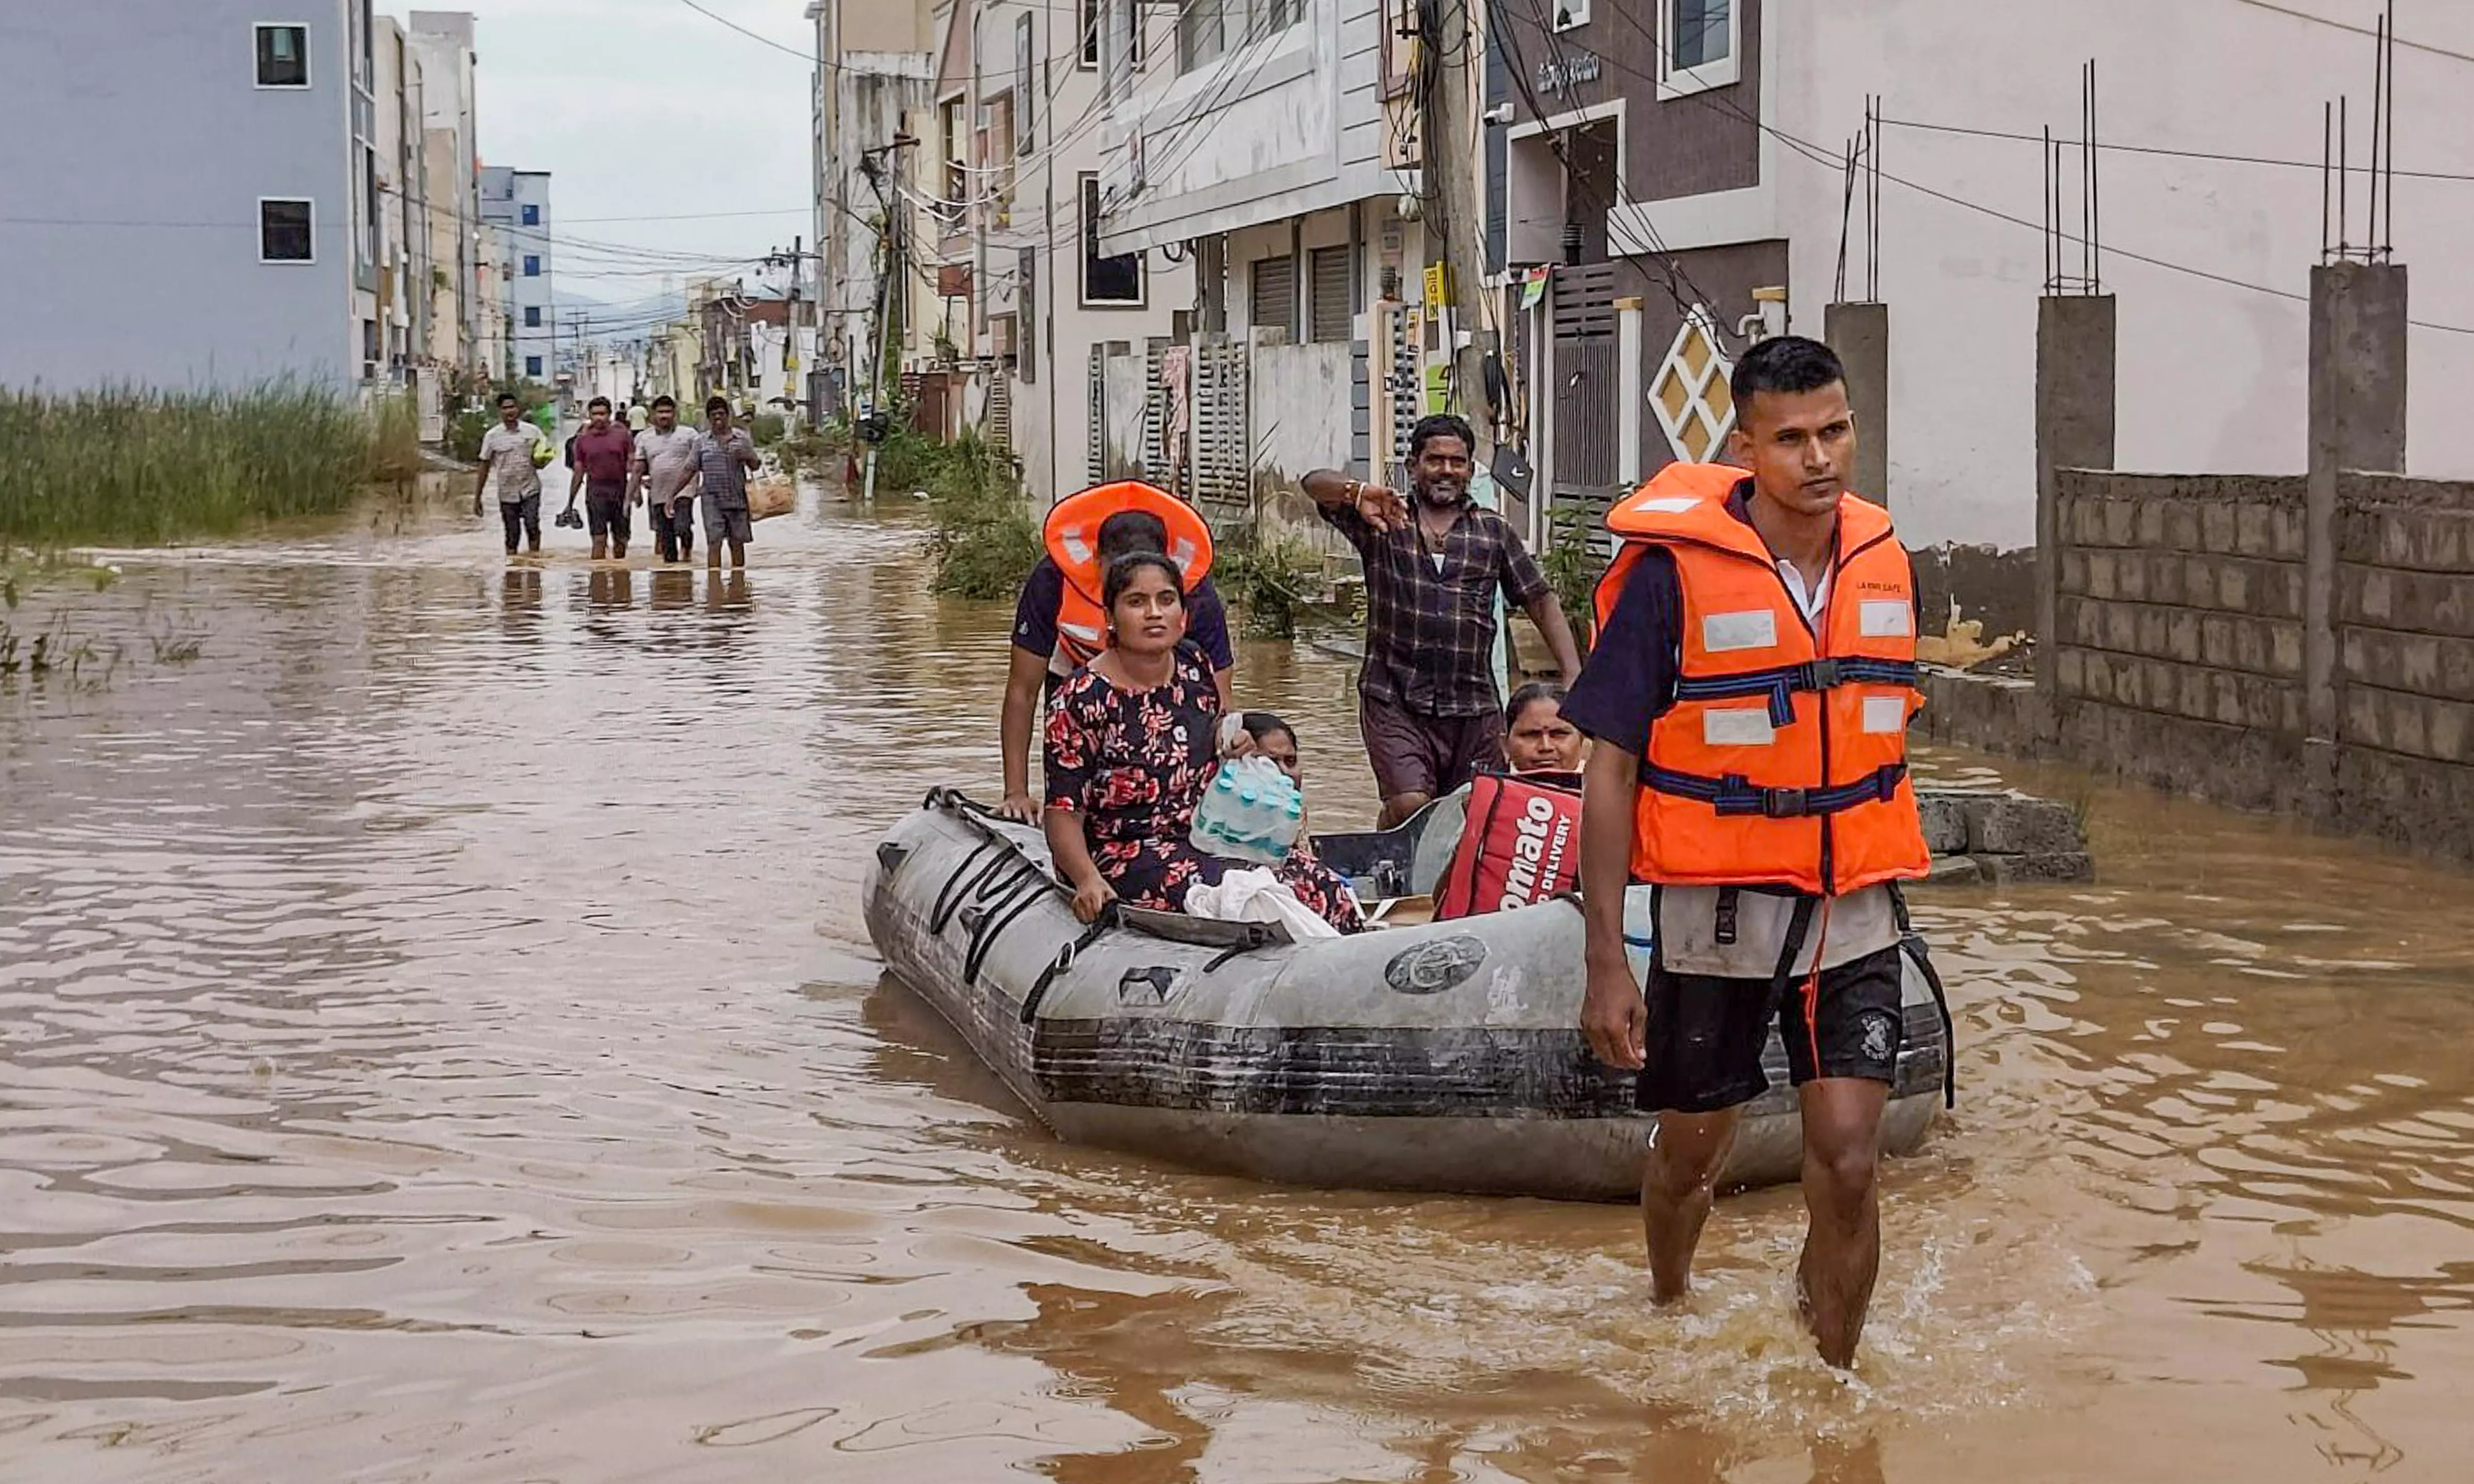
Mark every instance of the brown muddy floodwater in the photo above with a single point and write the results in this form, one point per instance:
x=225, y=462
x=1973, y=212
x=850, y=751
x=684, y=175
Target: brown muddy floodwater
x=438, y=1042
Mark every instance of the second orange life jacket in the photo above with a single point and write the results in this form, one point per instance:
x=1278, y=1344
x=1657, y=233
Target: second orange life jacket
x=1071, y=534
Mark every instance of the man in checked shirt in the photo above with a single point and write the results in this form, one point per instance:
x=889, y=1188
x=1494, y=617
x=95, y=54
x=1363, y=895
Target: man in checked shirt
x=1426, y=697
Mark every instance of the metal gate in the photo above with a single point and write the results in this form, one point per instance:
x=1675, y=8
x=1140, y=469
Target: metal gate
x=1222, y=454
x=1580, y=407
x=999, y=411
x=1095, y=461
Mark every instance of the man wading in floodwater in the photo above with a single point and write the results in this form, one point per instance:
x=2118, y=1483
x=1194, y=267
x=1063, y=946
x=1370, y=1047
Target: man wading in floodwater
x=1750, y=694
x=601, y=455
x=515, y=450
x=1426, y=699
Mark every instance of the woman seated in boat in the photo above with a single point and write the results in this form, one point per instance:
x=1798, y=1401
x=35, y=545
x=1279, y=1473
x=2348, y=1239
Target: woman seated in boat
x=1132, y=746
x=1274, y=739
x=1536, y=736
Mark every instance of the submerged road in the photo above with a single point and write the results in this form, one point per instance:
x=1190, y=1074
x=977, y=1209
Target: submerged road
x=438, y=1042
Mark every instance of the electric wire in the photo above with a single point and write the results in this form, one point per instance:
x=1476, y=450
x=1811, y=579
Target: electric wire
x=1835, y=162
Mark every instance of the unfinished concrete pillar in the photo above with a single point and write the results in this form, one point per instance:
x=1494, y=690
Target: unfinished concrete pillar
x=2075, y=338
x=2358, y=406
x=1860, y=334
x=1628, y=378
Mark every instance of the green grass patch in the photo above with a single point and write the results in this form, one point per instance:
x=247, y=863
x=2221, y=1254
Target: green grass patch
x=1573, y=565
x=143, y=467
x=767, y=428
x=394, y=440
x=984, y=541
x=1272, y=583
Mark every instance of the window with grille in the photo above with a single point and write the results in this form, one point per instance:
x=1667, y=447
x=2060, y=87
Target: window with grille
x=1333, y=305
x=1272, y=296
x=1026, y=288
x=1207, y=30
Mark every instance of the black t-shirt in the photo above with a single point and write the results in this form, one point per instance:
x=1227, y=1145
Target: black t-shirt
x=1043, y=597
x=1627, y=681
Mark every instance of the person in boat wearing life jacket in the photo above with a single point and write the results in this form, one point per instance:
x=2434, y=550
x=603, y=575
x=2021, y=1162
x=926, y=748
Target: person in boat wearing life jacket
x=1058, y=623
x=1748, y=697
x=1134, y=743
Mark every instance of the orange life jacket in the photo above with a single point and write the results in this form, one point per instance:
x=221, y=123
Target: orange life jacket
x=1783, y=759
x=1072, y=537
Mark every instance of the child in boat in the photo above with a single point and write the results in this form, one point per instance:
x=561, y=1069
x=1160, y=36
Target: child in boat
x=1132, y=745
x=1278, y=740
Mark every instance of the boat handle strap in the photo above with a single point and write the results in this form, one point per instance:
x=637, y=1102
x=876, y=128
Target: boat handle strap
x=1064, y=960
x=991, y=927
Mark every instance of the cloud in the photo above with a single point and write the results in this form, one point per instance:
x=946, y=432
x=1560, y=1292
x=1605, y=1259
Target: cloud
x=643, y=109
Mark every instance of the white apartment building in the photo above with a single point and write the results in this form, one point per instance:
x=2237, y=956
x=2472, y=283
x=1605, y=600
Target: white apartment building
x=132, y=260
x=1273, y=141
x=1045, y=292
x=1696, y=151
x=515, y=205
x=444, y=42
x=404, y=287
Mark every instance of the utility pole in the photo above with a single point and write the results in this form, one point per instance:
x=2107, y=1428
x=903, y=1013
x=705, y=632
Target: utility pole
x=873, y=424
x=794, y=359
x=1450, y=155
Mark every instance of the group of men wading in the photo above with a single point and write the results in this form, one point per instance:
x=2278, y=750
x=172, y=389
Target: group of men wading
x=663, y=464
x=1747, y=701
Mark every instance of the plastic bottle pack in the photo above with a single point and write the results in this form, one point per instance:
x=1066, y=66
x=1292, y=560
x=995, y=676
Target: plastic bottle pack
x=1251, y=812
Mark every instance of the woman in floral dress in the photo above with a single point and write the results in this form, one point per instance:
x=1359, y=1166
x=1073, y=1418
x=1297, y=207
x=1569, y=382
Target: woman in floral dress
x=1132, y=746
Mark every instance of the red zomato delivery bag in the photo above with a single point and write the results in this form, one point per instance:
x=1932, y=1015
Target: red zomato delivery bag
x=1522, y=844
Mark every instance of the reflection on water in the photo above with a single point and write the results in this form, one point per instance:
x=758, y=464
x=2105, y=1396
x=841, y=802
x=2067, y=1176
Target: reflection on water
x=437, y=1040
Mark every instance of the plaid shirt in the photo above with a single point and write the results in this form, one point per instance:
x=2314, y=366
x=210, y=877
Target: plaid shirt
x=1429, y=632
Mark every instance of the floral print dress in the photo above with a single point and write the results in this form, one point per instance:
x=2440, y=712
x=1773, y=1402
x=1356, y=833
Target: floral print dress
x=1133, y=764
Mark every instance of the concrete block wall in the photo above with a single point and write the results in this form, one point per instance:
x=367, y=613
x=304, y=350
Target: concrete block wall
x=2178, y=649
x=2179, y=659
x=2405, y=646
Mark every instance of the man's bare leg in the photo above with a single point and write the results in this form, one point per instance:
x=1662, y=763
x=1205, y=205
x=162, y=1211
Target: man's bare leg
x=1397, y=808
x=1677, y=1188
x=1842, y=1244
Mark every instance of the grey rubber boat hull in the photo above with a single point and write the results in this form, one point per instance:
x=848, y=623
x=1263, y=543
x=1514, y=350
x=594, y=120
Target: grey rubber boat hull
x=1440, y=1058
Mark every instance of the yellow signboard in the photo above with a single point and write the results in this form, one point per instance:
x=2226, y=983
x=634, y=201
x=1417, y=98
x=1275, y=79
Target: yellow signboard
x=1438, y=288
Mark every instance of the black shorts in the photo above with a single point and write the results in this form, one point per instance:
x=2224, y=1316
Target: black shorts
x=605, y=513
x=1706, y=1033
x=1413, y=753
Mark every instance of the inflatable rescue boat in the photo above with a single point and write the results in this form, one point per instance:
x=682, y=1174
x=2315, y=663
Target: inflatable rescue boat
x=1441, y=1056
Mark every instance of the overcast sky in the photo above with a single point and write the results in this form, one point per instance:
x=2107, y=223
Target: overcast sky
x=642, y=109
